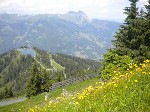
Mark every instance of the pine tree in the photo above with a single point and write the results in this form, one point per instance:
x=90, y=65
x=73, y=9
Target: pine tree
x=46, y=81
x=148, y=10
x=39, y=81
x=142, y=41
x=33, y=83
x=147, y=33
x=124, y=36
x=8, y=91
x=133, y=38
x=126, y=43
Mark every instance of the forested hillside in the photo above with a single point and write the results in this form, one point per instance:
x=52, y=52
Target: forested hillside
x=74, y=65
x=13, y=72
x=15, y=68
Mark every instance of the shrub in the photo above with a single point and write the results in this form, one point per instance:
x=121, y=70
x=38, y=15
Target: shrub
x=114, y=62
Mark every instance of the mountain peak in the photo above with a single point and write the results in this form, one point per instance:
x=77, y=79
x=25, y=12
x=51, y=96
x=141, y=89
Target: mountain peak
x=79, y=12
x=76, y=17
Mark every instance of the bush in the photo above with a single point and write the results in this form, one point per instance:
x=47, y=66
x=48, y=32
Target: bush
x=114, y=62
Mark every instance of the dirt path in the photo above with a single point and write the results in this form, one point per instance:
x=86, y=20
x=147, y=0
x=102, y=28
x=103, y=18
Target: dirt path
x=12, y=101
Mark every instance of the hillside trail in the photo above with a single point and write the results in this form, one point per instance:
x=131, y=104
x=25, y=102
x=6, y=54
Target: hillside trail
x=11, y=101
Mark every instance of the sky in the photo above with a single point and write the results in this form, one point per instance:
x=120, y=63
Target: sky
x=97, y=9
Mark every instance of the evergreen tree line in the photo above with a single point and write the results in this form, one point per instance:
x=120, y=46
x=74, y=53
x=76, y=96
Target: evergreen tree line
x=6, y=91
x=13, y=73
x=133, y=38
x=43, y=57
x=6, y=58
x=16, y=69
x=132, y=41
x=75, y=66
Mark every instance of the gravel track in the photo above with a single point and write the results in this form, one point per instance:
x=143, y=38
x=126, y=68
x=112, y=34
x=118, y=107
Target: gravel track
x=12, y=101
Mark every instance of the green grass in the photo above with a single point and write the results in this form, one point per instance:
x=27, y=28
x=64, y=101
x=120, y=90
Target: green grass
x=50, y=55
x=40, y=99
x=57, y=66
x=127, y=92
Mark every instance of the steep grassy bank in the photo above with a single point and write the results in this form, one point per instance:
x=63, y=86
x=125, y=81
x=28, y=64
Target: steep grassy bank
x=128, y=92
x=40, y=99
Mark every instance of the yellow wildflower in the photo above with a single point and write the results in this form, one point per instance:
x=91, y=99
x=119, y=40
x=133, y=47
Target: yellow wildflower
x=81, y=97
x=77, y=103
x=143, y=66
x=114, y=71
x=135, y=80
x=130, y=67
x=146, y=61
x=115, y=85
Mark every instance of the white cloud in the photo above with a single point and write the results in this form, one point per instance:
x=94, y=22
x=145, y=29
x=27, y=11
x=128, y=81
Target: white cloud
x=109, y=9
x=144, y=2
x=44, y=5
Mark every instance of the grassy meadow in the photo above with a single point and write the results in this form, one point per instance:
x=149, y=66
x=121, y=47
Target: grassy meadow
x=40, y=99
x=128, y=92
x=125, y=92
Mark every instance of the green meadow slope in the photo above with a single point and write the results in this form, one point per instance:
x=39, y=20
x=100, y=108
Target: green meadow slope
x=127, y=91
x=40, y=99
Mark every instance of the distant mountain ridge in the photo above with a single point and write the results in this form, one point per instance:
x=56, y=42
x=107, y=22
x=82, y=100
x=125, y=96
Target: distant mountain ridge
x=72, y=33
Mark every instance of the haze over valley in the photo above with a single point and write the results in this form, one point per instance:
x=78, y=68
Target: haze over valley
x=71, y=33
